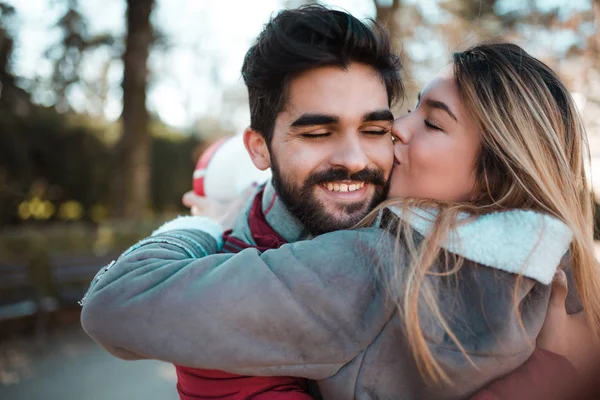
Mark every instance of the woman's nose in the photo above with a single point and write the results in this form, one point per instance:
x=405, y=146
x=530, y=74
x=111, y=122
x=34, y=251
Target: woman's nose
x=401, y=130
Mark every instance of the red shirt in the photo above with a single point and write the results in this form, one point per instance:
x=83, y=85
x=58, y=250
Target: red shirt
x=196, y=384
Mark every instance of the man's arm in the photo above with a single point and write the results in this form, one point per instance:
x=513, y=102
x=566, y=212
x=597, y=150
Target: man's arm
x=305, y=309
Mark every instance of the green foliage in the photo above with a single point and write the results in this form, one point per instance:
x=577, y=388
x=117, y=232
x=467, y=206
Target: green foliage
x=42, y=151
x=172, y=166
x=60, y=158
x=67, y=56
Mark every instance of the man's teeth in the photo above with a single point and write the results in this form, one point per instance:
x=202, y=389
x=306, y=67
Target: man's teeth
x=343, y=187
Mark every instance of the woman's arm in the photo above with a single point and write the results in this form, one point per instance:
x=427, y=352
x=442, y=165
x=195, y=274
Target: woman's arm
x=305, y=309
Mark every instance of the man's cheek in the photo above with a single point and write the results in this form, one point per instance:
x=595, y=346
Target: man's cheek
x=383, y=155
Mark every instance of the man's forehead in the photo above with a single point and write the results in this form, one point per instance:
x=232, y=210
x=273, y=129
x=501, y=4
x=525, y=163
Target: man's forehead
x=334, y=90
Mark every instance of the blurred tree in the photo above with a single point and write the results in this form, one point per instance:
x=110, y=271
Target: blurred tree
x=558, y=35
x=44, y=155
x=596, y=45
x=11, y=96
x=13, y=101
x=173, y=159
x=131, y=170
x=473, y=18
x=298, y=3
x=64, y=159
x=68, y=55
x=401, y=20
x=7, y=80
x=386, y=13
x=60, y=158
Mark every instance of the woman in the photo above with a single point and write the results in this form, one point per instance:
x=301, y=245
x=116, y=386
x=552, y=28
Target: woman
x=487, y=194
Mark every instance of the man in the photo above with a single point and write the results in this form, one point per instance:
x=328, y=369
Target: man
x=320, y=85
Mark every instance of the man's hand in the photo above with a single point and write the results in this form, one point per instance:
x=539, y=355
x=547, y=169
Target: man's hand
x=225, y=213
x=568, y=335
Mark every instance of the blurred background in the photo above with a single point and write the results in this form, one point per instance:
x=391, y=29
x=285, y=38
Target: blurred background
x=105, y=107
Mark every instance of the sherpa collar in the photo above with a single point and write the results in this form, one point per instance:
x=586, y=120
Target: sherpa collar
x=277, y=216
x=517, y=241
x=280, y=218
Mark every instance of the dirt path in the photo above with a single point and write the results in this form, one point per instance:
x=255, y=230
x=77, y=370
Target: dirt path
x=69, y=365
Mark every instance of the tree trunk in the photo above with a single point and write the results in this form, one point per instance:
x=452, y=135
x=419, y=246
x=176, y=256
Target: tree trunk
x=131, y=174
x=390, y=16
x=7, y=79
x=596, y=47
x=386, y=16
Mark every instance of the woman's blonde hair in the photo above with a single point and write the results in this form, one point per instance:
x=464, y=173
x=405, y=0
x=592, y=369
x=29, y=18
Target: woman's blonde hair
x=532, y=156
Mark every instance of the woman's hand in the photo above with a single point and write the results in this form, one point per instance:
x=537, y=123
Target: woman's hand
x=568, y=335
x=545, y=375
x=225, y=213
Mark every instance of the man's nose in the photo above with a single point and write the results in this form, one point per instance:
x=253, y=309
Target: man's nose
x=350, y=155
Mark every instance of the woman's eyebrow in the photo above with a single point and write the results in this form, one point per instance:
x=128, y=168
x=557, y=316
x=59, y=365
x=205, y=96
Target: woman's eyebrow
x=440, y=105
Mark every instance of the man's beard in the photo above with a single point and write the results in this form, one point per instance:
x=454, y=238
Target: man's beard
x=302, y=203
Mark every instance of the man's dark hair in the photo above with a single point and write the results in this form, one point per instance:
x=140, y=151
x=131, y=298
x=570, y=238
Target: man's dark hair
x=309, y=37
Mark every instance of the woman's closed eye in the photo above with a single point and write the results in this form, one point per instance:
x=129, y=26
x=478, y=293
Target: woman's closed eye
x=432, y=126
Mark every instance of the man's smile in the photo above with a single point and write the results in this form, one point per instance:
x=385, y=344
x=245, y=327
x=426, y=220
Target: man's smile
x=343, y=186
x=346, y=190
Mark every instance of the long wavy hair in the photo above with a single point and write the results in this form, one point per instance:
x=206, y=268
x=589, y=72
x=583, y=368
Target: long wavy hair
x=532, y=156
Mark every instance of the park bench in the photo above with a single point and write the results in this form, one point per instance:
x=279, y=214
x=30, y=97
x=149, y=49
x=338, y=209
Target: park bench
x=61, y=282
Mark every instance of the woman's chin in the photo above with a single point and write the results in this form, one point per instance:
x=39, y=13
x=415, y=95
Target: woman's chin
x=395, y=192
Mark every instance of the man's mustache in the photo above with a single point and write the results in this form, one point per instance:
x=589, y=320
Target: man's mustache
x=372, y=176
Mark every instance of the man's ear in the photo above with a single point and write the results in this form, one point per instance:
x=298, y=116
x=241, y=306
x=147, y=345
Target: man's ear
x=257, y=148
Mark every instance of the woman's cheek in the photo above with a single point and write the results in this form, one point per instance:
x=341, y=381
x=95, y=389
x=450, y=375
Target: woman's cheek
x=422, y=157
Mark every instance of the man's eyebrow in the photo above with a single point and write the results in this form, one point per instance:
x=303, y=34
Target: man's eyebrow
x=379, y=115
x=440, y=105
x=314, y=119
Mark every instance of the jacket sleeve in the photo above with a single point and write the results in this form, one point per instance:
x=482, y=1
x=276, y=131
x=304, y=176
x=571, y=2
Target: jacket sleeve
x=304, y=309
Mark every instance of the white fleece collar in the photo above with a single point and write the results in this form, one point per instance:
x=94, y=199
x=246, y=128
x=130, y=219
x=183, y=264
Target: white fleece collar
x=516, y=241
x=202, y=223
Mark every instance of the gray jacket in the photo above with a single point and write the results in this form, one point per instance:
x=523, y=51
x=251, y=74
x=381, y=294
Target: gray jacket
x=317, y=308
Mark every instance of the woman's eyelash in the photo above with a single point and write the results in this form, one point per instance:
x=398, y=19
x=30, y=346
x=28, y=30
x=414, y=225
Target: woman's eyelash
x=432, y=126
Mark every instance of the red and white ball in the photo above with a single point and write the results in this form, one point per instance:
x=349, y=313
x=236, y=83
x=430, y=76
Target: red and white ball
x=225, y=170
